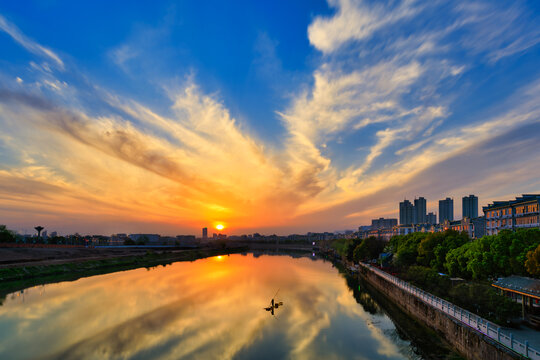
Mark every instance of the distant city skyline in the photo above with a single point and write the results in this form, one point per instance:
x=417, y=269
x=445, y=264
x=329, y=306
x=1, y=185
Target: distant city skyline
x=273, y=117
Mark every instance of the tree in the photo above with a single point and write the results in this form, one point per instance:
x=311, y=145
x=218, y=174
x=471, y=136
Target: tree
x=405, y=248
x=484, y=301
x=6, y=235
x=351, y=246
x=532, y=264
x=369, y=248
x=57, y=240
x=428, y=279
x=143, y=240
x=456, y=262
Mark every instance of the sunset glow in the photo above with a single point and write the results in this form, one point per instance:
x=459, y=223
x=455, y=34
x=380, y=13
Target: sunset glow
x=274, y=126
x=220, y=227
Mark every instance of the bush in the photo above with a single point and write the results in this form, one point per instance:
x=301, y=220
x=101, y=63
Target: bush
x=341, y=246
x=428, y=279
x=368, y=249
x=6, y=235
x=532, y=264
x=484, y=300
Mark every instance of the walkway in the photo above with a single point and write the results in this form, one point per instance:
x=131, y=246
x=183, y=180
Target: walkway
x=474, y=321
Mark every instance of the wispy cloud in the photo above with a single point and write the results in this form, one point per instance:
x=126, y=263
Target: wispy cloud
x=29, y=44
x=497, y=31
x=355, y=20
x=382, y=107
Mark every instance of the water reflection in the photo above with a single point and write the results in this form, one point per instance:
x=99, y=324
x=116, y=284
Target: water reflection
x=206, y=309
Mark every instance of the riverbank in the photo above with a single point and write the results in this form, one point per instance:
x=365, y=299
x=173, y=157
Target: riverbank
x=426, y=342
x=473, y=339
x=20, y=275
x=42, y=255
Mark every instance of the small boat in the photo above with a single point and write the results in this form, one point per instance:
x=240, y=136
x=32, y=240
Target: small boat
x=274, y=304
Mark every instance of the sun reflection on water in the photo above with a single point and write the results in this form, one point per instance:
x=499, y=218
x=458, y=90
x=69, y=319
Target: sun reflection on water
x=211, y=308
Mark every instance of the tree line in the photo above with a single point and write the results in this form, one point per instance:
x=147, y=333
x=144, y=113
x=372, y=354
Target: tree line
x=454, y=253
x=434, y=262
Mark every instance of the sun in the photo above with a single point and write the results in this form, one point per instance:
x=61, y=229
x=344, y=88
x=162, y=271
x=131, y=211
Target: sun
x=220, y=227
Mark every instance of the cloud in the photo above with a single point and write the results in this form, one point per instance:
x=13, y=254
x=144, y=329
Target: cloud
x=498, y=31
x=29, y=44
x=123, y=54
x=266, y=62
x=205, y=167
x=389, y=99
x=355, y=20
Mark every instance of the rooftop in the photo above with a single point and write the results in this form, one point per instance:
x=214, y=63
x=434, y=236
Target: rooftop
x=518, y=200
x=520, y=284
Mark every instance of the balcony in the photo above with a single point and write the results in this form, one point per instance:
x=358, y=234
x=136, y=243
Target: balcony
x=527, y=213
x=533, y=225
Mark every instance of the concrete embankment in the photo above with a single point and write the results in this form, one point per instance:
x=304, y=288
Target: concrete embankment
x=467, y=341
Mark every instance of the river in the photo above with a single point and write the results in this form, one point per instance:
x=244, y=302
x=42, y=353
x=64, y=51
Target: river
x=210, y=309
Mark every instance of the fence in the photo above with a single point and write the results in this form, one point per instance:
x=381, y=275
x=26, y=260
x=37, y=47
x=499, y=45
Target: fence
x=52, y=246
x=474, y=321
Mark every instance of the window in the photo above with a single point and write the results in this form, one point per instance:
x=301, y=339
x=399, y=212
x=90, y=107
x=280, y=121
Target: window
x=527, y=220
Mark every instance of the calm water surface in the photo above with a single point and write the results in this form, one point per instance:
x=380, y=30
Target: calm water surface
x=207, y=309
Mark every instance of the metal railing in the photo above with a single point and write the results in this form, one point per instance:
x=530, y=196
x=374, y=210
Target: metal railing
x=474, y=321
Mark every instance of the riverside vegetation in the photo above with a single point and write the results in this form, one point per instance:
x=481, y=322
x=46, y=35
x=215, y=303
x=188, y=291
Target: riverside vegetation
x=15, y=277
x=430, y=260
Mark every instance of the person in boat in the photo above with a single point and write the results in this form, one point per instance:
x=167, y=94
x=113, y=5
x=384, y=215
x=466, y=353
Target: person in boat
x=273, y=305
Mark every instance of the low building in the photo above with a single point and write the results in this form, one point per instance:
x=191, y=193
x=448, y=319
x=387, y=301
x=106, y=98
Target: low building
x=479, y=227
x=404, y=229
x=381, y=234
x=475, y=228
x=149, y=239
x=521, y=213
x=118, y=239
x=382, y=223
x=431, y=218
x=187, y=241
x=459, y=225
x=525, y=291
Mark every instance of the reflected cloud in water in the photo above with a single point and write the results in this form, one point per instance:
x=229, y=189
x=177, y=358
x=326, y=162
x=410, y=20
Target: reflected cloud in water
x=210, y=308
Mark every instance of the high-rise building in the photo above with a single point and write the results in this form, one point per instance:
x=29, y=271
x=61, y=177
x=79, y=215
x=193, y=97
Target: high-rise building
x=204, y=233
x=383, y=223
x=406, y=212
x=431, y=218
x=419, y=211
x=446, y=210
x=469, y=207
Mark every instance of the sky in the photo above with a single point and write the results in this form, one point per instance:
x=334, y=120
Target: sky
x=273, y=117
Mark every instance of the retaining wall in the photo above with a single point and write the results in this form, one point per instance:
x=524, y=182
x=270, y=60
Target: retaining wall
x=471, y=343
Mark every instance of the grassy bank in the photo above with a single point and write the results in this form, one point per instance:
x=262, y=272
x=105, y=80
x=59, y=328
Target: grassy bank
x=17, y=278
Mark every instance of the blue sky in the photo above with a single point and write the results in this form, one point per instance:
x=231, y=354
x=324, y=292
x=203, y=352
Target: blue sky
x=273, y=116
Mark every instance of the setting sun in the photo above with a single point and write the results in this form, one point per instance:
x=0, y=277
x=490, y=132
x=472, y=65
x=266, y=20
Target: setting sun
x=220, y=226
